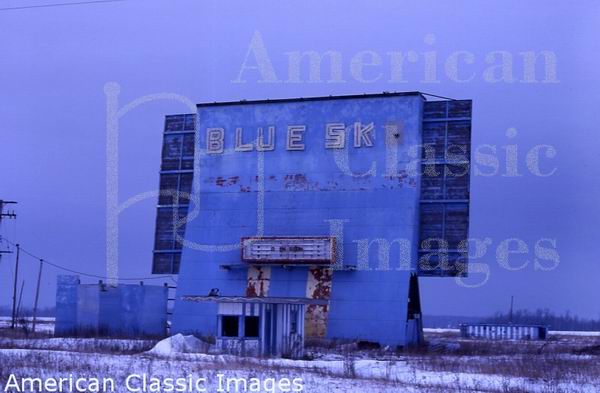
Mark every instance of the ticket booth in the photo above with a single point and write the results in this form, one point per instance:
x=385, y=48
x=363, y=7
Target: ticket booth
x=259, y=326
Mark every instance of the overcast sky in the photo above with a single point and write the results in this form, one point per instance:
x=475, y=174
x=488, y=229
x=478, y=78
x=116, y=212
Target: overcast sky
x=55, y=62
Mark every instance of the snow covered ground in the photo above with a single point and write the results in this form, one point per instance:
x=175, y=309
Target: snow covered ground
x=43, y=324
x=563, y=363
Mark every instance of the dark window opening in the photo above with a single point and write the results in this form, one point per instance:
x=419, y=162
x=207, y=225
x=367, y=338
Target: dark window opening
x=366, y=345
x=251, y=327
x=230, y=325
x=294, y=322
x=414, y=300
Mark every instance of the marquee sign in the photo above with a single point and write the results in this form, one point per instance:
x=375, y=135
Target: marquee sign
x=302, y=250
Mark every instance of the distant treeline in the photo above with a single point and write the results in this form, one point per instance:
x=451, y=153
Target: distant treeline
x=539, y=317
x=447, y=321
x=546, y=317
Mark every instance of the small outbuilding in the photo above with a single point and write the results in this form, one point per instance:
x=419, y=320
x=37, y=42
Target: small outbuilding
x=124, y=310
x=495, y=331
x=260, y=326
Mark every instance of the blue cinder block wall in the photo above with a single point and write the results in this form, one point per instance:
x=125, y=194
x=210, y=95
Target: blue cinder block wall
x=303, y=192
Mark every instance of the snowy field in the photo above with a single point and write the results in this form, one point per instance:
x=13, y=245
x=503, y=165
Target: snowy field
x=43, y=324
x=566, y=362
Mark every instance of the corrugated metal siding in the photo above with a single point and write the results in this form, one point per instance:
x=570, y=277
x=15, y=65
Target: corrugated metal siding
x=445, y=183
x=176, y=178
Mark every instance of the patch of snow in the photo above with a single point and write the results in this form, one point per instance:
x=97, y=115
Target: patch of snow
x=573, y=333
x=44, y=324
x=179, y=344
x=440, y=330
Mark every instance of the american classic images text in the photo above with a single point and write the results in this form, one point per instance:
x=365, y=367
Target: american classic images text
x=143, y=383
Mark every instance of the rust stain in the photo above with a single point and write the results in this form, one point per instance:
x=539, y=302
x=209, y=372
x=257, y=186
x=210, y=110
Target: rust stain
x=258, y=282
x=224, y=182
x=296, y=182
x=401, y=177
x=318, y=287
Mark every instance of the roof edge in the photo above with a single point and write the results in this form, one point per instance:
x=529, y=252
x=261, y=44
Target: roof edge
x=316, y=98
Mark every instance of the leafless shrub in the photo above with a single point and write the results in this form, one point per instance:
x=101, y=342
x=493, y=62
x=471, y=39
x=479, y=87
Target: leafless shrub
x=94, y=345
x=24, y=326
x=349, y=368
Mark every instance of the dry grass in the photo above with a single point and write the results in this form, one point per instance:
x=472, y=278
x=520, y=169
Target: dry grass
x=16, y=339
x=558, y=359
x=559, y=365
x=556, y=362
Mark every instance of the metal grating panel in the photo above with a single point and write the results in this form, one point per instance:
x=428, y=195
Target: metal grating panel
x=176, y=178
x=288, y=249
x=445, y=182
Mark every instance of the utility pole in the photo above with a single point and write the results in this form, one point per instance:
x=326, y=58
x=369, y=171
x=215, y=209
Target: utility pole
x=510, y=315
x=37, y=294
x=14, y=305
x=8, y=214
x=20, y=298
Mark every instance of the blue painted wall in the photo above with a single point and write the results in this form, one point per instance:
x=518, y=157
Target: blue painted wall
x=66, y=304
x=124, y=310
x=302, y=191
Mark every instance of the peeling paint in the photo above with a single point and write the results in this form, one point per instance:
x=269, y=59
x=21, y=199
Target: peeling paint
x=259, y=280
x=318, y=286
x=296, y=181
x=402, y=178
x=224, y=182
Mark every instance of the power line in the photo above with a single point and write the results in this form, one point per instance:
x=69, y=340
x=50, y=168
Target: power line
x=58, y=4
x=57, y=266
